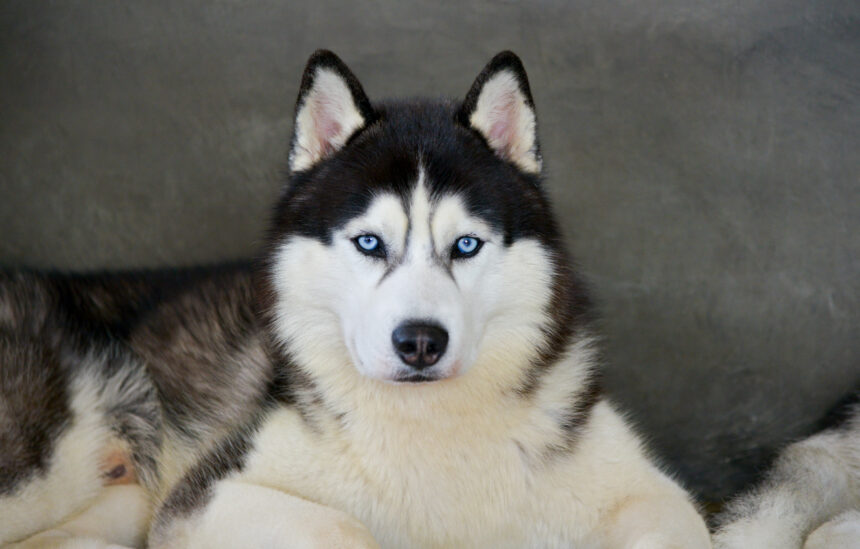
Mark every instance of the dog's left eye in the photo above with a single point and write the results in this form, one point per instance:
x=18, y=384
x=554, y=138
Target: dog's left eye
x=466, y=246
x=369, y=244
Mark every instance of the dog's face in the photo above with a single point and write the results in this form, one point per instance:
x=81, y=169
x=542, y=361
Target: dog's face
x=413, y=240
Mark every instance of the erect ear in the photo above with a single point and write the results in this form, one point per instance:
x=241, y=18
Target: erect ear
x=499, y=107
x=331, y=107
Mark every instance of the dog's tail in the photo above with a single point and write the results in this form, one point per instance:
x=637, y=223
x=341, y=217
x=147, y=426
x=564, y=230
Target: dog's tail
x=813, y=482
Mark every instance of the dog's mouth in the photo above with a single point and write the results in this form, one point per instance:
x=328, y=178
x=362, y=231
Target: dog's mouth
x=416, y=378
x=428, y=375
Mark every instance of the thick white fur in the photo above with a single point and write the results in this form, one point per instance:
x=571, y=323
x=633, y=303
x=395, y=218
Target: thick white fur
x=462, y=462
x=117, y=518
x=506, y=120
x=842, y=532
x=606, y=495
x=233, y=519
x=324, y=121
x=812, y=481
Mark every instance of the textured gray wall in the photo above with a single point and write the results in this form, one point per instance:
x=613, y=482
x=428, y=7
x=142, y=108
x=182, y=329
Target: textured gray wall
x=703, y=156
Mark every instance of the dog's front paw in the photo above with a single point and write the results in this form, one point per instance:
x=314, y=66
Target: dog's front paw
x=61, y=540
x=345, y=532
x=654, y=541
x=657, y=540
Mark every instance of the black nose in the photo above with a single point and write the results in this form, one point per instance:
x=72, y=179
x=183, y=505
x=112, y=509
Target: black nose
x=419, y=344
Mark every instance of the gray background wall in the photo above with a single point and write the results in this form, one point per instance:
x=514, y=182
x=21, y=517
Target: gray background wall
x=703, y=157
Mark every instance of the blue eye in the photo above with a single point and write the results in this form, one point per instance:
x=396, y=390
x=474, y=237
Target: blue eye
x=369, y=244
x=466, y=246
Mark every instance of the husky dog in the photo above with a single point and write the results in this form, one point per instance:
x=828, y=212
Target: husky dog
x=409, y=364
x=814, y=486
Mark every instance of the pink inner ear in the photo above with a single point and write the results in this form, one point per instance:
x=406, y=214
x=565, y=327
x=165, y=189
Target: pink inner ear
x=326, y=125
x=503, y=126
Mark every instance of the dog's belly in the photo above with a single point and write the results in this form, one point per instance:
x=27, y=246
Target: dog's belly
x=420, y=491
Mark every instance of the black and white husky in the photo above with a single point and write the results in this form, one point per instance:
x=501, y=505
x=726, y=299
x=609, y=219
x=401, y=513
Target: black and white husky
x=410, y=364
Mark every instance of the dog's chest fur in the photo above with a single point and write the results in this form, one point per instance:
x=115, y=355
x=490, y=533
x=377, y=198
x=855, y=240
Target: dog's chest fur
x=473, y=476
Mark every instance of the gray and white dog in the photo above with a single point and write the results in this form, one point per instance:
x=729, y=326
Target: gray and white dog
x=409, y=364
x=810, y=499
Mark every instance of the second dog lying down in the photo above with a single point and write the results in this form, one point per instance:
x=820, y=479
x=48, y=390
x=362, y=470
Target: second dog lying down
x=811, y=498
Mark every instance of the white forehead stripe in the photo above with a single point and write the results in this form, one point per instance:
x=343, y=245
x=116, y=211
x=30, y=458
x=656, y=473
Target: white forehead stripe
x=425, y=229
x=420, y=212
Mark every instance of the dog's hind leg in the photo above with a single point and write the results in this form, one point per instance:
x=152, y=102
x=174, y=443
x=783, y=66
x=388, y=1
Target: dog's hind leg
x=119, y=517
x=664, y=521
x=67, y=432
x=50, y=438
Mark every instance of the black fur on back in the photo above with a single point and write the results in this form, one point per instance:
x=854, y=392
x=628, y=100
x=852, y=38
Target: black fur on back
x=34, y=410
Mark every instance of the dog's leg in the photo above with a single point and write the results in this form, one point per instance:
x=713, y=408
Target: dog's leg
x=246, y=515
x=118, y=518
x=658, y=522
x=71, y=484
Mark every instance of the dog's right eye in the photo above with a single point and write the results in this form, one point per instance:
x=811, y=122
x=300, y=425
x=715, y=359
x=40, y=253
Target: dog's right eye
x=370, y=244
